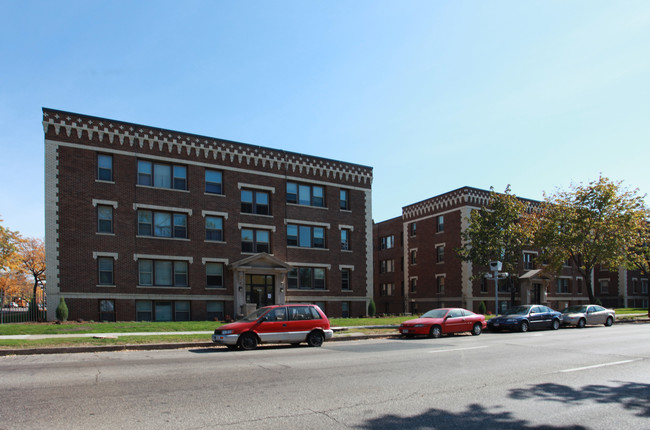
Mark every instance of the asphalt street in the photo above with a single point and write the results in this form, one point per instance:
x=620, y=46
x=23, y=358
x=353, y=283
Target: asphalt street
x=593, y=378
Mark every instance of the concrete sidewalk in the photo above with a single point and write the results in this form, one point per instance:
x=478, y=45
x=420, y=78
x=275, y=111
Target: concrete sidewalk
x=340, y=334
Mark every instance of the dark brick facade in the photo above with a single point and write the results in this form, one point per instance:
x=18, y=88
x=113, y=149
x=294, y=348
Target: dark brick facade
x=74, y=245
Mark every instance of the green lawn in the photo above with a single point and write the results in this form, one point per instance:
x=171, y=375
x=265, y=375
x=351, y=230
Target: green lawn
x=131, y=327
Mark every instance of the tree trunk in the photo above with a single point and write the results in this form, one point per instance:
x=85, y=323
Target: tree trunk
x=590, y=287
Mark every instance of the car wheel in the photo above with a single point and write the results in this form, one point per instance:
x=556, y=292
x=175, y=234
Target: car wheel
x=476, y=330
x=581, y=323
x=315, y=338
x=609, y=322
x=555, y=324
x=435, y=332
x=248, y=341
x=523, y=327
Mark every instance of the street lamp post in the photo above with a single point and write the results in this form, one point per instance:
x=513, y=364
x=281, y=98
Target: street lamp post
x=495, y=267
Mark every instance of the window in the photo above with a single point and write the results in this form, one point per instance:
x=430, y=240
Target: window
x=345, y=279
x=107, y=310
x=255, y=202
x=307, y=195
x=413, y=256
x=635, y=285
x=144, y=310
x=162, y=273
x=255, y=240
x=105, y=167
x=215, y=311
x=307, y=278
x=182, y=310
x=387, y=242
x=604, y=286
x=345, y=309
x=644, y=286
x=579, y=285
x=529, y=260
x=414, y=284
x=562, y=286
x=413, y=229
x=163, y=311
x=387, y=289
x=440, y=227
x=440, y=253
x=305, y=236
x=214, y=228
x=162, y=175
x=104, y=219
x=484, y=285
x=162, y=224
x=345, y=239
x=344, y=199
x=440, y=284
x=214, y=275
x=213, y=184
x=105, y=265
x=386, y=266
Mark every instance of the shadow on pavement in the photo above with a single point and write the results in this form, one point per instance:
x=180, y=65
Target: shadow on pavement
x=631, y=395
x=475, y=417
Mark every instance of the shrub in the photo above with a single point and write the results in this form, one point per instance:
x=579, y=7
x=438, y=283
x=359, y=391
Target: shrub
x=62, y=310
x=482, y=309
x=372, y=309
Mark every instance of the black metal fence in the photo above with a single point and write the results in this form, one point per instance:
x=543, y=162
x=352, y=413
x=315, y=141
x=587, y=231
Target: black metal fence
x=11, y=312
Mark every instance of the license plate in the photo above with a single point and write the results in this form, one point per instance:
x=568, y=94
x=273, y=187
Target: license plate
x=496, y=324
x=405, y=331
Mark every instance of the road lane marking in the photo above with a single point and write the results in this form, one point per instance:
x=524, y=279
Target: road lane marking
x=457, y=349
x=598, y=365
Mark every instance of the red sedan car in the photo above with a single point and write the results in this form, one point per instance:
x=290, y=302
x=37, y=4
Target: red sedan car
x=445, y=320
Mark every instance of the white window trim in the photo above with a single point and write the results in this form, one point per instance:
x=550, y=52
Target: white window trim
x=346, y=227
x=105, y=202
x=214, y=260
x=256, y=226
x=346, y=266
x=440, y=244
x=241, y=185
x=105, y=254
x=312, y=223
x=137, y=257
x=137, y=206
x=214, y=213
x=316, y=265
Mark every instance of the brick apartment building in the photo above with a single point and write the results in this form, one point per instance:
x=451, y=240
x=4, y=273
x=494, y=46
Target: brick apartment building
x=417, y=268
x=144, y=223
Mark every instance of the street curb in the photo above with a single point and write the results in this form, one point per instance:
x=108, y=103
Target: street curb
x=153, y=346
x=184, y=345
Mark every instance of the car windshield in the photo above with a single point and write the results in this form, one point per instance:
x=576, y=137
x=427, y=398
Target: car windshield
x=572, y=309
x=254, y=316
x=517, y=310
x=436, y=313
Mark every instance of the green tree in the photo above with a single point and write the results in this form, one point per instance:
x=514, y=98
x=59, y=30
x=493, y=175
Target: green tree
x=372, y=309
x=639, y=252
x=62, y=310
x=496, y=232
x=588, y=225
x=9, y=241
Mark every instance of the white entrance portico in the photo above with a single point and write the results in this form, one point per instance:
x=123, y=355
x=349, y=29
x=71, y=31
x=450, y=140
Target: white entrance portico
x=259, y=280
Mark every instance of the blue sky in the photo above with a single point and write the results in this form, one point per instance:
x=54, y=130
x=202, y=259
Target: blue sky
x=434, y=95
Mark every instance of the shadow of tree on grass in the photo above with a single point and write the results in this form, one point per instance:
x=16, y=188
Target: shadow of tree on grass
x=475, y=417
x=631, y=395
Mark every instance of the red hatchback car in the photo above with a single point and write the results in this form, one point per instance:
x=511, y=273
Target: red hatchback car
x=292, y=324
x=445, y=320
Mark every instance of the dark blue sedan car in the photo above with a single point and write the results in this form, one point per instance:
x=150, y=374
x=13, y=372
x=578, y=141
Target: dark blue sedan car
x=526, y=317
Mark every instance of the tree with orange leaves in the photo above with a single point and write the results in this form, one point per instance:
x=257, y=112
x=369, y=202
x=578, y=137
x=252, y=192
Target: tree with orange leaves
x=32, y=259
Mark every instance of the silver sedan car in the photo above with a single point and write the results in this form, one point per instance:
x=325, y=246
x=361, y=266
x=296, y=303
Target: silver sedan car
x=582, y=315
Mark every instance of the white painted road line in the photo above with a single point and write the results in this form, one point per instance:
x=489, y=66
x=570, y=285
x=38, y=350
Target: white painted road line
x=577, y=369
x=457, y=349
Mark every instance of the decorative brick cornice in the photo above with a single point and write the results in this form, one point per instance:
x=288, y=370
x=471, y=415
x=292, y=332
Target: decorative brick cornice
x=60, y=125
x=466, y=196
